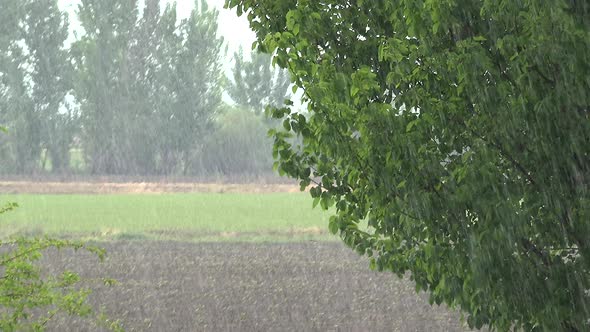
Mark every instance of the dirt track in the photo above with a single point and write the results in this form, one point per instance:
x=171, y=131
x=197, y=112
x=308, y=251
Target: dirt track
x=171, y=286
x=29, y=187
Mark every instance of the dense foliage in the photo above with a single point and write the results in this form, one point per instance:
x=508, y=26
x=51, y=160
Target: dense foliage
x=460, y=132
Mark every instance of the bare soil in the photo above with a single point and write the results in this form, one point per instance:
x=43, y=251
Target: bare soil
x=91, y=187
x=175, y=286
x=172, y=286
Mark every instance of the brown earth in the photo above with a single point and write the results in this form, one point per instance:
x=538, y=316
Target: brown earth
x=313, y=286
x=90, y=187
x=175, y=286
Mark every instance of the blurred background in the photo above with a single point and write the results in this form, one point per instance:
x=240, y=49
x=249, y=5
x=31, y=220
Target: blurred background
x=134, y=90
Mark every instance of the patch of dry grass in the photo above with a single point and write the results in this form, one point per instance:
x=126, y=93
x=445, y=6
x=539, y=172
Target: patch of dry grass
x=29, y=187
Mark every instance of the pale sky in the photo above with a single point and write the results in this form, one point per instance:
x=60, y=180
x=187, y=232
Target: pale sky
x=234, y=29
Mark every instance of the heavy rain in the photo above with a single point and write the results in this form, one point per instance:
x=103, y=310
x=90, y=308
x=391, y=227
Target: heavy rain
x=294, y=165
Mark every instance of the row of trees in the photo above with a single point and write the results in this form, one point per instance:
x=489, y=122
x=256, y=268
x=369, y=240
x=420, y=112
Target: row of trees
x=138, y=92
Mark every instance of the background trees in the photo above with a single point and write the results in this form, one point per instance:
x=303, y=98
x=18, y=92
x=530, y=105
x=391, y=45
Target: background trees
x=239, y=147
x=148, y=108
x=136, y=92
x=197, y=88
x=459, y=131
x=102, y=61
x=51, y=77
x=256, y=84
x=36, y=77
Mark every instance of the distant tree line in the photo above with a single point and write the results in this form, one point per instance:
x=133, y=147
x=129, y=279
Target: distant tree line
x=138, y=92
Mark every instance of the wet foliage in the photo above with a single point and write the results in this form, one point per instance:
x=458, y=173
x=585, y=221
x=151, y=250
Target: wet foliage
x=459, y=131
x=30, y=297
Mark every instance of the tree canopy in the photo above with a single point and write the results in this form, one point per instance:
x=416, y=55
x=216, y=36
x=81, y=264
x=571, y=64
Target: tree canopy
x=453, y=139
x=256, y=84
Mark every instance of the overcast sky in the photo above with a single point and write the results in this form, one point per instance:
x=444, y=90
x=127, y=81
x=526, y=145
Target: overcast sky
x=234, y=29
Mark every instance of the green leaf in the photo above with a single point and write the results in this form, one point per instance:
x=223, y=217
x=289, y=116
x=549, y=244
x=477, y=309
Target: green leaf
x=333, y=225
x=444, y=197
x=373, y=264
x=316, y=200
x=411, y=125
x=402, y=184
x=287, y=125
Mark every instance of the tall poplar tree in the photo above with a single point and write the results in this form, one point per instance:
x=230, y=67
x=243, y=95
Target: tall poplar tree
x=35, y=78
x=51, y=76
x=103, y=80
x=149, y=68
x=22, y=147
x=256, y=84
x=197, y=89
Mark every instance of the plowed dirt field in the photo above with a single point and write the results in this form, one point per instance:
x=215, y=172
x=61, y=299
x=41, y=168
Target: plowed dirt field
x=172, y=286
x=177, y=286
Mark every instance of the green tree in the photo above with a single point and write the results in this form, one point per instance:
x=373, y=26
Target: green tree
x=197, y=89
x=103, y=80
x=35, y=80
x=255, y=84
x=152, y=61
x=30, y=298
x=45, y=35
x=22, y=147
x=458, y=132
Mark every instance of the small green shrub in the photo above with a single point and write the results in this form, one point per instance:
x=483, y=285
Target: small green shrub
x=29, y=298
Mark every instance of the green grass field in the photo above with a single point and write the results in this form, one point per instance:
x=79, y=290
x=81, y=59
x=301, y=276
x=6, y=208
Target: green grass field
x=187, y=217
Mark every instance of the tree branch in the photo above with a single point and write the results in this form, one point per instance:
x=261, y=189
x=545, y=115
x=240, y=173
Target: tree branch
x=530, y=247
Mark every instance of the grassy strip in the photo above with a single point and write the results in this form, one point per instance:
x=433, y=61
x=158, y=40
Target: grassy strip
x=190, y=217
